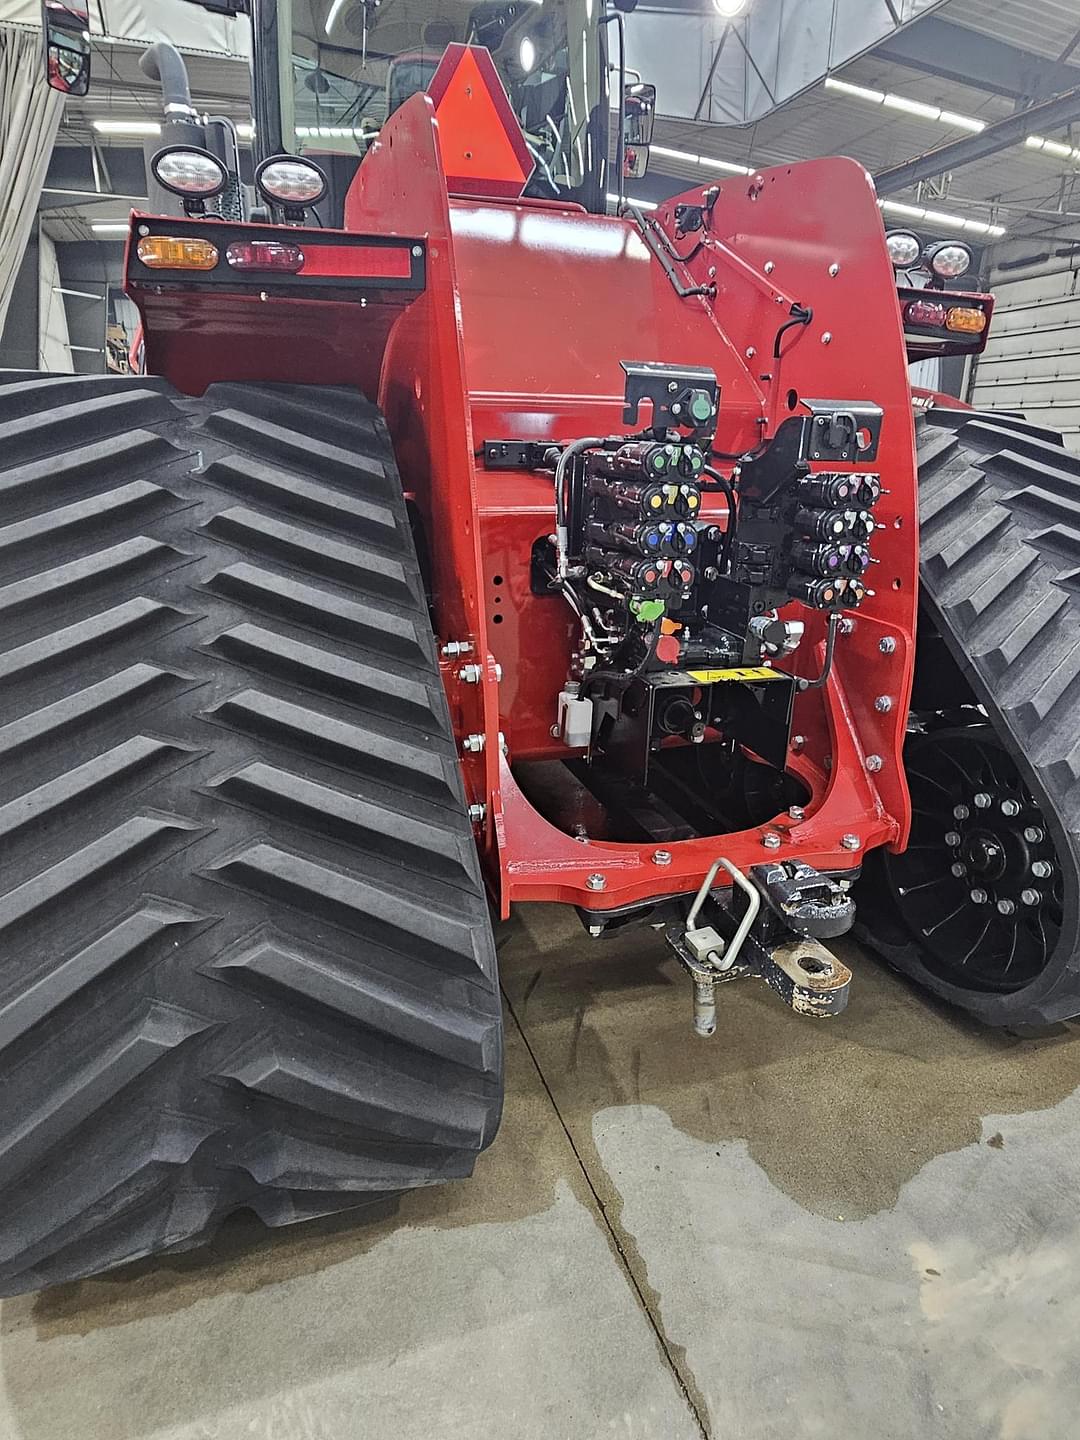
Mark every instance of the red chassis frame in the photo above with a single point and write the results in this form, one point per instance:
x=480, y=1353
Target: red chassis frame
x=526, y=310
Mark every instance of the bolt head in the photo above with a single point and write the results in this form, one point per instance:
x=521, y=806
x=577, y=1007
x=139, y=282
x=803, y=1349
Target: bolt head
x=797, y=742
x=1042, y=869
x=596, y=882
x=661, y=857
x=1033, y=834
x=771, y=840
x=978, y=897
x=498, y=671
x=850, y=842
x=826, y=339
x=874, y=763
x=473, y=743
x=770, y=266
x=1010, y=807
x=1030, y=897
x=883, y=704
x=959, y=869
x=834, y=270
x=477, y=813
x=418, y=250
x=983, y=801
x=886, y=645
x=796, y=812
x=847, y=626
x=672, y=387
x=750, y=352
x=960, y=812
x=470, y=674
x=596, y=930
x=953, y=838
x=456, y=647
x=1006, y=907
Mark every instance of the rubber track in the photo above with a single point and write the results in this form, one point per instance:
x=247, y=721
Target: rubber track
x=1000, y=579
x=247, y=960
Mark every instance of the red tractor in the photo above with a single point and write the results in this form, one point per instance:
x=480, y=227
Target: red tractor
x=468, y=544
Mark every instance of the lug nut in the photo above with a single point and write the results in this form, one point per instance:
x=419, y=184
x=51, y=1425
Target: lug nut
x=661, y=857
x=850, y=842
x=473, y=743
x=983, y=801
x=978, y=897
x=771, y=840
x=874, y=763
x=595, y=882
x=1006, y=907
x=477, y=813
x=1010, y=807
x=1033, y=834
x=959, y=869
x=883, y=704
x=953, y=838
x=470, y=674
x=1030, y=897
x=1042, y=869
x=960, y=812
x=886, y=645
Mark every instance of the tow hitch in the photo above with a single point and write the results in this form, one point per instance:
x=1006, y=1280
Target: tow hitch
x=771, y=925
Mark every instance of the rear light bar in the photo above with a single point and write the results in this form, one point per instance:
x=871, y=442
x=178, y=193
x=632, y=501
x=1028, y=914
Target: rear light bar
x=936, y=315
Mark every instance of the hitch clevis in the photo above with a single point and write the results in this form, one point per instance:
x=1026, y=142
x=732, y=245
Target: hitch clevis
x=771, y=925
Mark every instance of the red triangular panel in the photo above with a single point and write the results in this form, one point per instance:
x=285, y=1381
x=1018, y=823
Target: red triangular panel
x=483, y=150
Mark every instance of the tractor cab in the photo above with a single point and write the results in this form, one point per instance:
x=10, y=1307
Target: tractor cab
x=353, y=63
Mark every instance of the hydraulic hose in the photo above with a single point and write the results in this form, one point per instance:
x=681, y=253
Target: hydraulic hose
x=562, y=533
x=728, y=491
x=164, y=63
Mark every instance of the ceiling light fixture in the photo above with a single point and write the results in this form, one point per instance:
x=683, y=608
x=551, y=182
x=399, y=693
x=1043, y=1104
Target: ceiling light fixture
x=127, y=127
x=908, y=106
x=335, y=11
x=938, y=217
x=1057, y=148
x=633, y=200
x=110, y=227
x=705, y=160
x=729, y=9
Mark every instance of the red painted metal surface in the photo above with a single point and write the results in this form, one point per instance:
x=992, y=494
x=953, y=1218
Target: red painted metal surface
x=527, y=311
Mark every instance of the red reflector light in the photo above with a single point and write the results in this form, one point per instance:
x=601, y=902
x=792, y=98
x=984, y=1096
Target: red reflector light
x=264, y=255
x=924, y=312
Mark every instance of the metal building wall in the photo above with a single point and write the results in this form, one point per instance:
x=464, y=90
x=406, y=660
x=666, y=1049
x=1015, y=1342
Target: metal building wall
x=1032, y=361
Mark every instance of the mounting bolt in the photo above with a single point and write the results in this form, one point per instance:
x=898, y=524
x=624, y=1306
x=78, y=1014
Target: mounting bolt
x=959, y=869
x=750, y=352
x=771, y=840
x=850, y=842
x=874, y=763
x=456, y=647
x=796, y=812
x=1030, y=897
x=983, y=801
x=470, y=674
x=555, y=732
x=498, y=671
x=502, y=743
x=797, y=742
x=978, y=897
x=1033, y=834
x=886, y=644
x=847, y=626
x=834, y=270
x=1006, y=907
x=960, y=812
x=770, y=266
x=473, y=743
x=477, y=813
x=883, y=704
x=661, y=857
x=826, y=339
x=952, y=838
x=595, y=882
x=596, y=931
x=1042, y=869
x=672, y=387
x=1010, y=807
x=418, y=250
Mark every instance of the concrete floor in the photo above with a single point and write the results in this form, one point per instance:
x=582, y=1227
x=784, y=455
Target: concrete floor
x=868, y=1227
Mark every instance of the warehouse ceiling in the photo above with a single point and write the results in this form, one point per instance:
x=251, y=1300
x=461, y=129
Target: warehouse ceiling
x=977, y=61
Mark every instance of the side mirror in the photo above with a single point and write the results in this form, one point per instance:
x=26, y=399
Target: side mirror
x=639, y=110
x=66, y=32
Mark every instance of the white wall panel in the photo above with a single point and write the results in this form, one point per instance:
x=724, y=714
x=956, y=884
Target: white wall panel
x=1032, y=361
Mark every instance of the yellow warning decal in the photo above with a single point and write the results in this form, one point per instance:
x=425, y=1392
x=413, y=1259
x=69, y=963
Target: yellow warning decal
x=746, y=672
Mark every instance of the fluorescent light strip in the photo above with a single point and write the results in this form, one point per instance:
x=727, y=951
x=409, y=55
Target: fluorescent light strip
x=127, y=127
x=938, y=217
x=633, y=200
x=1056, y=148
x=110, y=227
x=334, y=11
x=908, y=106
x=705, y=160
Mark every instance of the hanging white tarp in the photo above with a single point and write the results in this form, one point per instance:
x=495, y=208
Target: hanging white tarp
x=29, y=119
x=188, y=26
x=735, y=72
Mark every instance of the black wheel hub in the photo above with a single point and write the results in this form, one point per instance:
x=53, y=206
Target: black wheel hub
x=979, y=885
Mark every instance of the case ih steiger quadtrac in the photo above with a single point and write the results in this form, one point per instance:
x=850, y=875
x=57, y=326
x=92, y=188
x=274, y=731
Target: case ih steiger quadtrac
x=464, y=541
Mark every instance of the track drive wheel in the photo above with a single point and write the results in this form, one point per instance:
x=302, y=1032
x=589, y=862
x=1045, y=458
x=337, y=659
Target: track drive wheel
x=984, y=906
x=247, y=960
